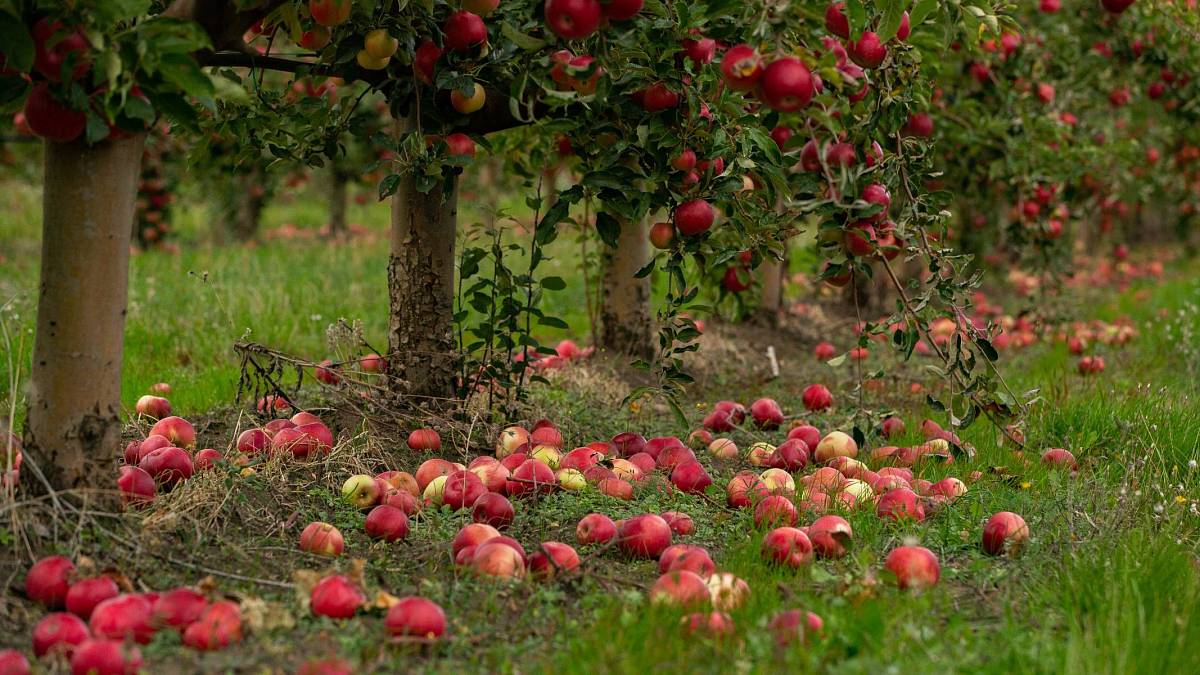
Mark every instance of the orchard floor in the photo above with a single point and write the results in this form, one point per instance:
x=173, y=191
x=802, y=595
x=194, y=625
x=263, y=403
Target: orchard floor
x=1109, y=582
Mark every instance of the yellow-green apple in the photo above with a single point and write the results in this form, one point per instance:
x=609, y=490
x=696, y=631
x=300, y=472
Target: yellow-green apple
x=360, y=491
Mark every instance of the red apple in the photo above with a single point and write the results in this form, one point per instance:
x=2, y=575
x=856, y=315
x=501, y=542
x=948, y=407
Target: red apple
x=892, y=427
x=55, y=45
x=595, y=528
x=551, y=559
x=105, y=656
x=816, y=397
x=573, y=19
x=787, y=546
x=1004, y=532
x=680, y=523
x=836, y=21
x=829, y=536
x=775, y=510
x=644, y=536
x=900, y=504
x=85, y=594
x=179, y=607
x=153, y=406
x=387, y=523
x=175, y=429
x=336, y=596
x=330, y=12
x=766, y=413
x=919, y=125
x=136, y=486
x=531, y=477
x=253, y=441
x=219, y=626
x=1059, y=458
x=462, y=489
x=492, y=509
x=168, y=466
x=682, y=588
x=913, y=566
x=123, y=616
x=795, y=625
x=47, y=581
x=464, y=31
x=207, y=459
x=424, y=440
x=498, y=560
x=694, y=217
x=786, y=84
x=690, y=477
x=686, y=557
x=741, y=67
x=807, y=433
x=869, y=51
x=58, y=633
x=415, y=617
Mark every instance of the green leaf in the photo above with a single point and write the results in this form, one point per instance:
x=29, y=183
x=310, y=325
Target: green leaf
x=97, y=128
x=553, y=283
x=988, y=350
x=921, y=11
x=183, y=71
x=856, y=15
x=12, y=93
x=553, y=322
x=18, y=45
x=388, y=186
x=890, y=23
x=608, y=228
x=111, y=11
x=837, y=361
x=525, y=42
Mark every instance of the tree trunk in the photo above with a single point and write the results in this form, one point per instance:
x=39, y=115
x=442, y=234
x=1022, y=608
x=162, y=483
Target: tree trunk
x=773, y=272
x=250, y=201
x=626, y=325
x=337, y=204
x=73, y=430
x=422, y=352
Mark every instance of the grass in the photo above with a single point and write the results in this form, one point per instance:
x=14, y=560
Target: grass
x=1108, y=582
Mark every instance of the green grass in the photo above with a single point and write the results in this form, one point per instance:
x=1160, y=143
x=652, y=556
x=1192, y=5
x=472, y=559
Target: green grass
x=1108, y=582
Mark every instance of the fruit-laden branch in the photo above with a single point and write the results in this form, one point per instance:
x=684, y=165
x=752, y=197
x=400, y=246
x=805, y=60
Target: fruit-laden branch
x=496, y=114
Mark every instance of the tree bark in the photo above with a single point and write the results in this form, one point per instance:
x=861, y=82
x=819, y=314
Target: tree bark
x=773, y=272
x=422, y=351
x=249, y=198
x=73, y=429
x=337, y=205
x=626, y=325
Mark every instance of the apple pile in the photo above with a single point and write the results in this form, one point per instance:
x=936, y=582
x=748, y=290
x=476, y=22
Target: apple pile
x=97, y=621
x=167, y=455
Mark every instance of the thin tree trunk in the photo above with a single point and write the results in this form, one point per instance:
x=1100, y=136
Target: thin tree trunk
x=337, y=204
x=626, y=326
x=423, y=355
x=73, y=428
x=250, y=202
x=772, y=272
